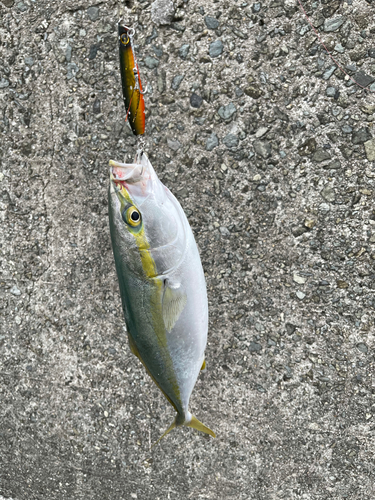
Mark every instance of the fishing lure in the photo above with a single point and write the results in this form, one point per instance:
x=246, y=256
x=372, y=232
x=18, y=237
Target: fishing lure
x=131, y=81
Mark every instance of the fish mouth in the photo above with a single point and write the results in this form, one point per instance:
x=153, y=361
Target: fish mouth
x=137, y=180
x=125, y=173
x=132, y=181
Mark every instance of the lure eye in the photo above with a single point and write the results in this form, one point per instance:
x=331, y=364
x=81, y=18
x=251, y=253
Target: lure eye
x=132, y=217
x=124, y=39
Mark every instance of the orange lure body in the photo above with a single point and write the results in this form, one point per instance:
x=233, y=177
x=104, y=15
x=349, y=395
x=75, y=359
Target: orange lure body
x=131, y=82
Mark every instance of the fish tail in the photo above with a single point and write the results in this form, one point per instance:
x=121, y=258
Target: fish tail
x=172, y=426
x=196, y=424
x=190, y=421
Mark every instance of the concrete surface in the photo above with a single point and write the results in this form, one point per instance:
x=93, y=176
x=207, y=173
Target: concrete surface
x=271, y=151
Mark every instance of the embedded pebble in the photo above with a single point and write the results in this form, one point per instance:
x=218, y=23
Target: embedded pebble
x=333, y=24
x=93, y=13
x=347, y=129
x=253, y=91
x=370, y=149
x=68, y=53
x=196, y=100
x=262, y=148
x=255, y=347
x=211, y=22
x=309, y=223
x=320, y=155
x=362, y=347
x=363, y=78
x=324, y=207
x=308, y=147
x=15, y=290
x=339, y=48
x=261, y=132
x=342, y=284
x=328, y=194
x=151, y=62
x=231, y=140
x=96, y=106
x=184, y=50
x=329, y=72
x=224, y=231
x=29, y=61
x=162, y=12
x=304, y=29
x=216, y=48
x=212, y=142
x=22, y=7
x=299, y=279
x=173, y=144
x=331, y=91
x=4, y=83
x=362, y=135
x=176, y=82
x=227, y=112
x=72, y=70
x=93, y=51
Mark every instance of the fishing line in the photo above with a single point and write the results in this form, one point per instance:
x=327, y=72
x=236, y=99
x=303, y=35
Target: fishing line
x=328, y=52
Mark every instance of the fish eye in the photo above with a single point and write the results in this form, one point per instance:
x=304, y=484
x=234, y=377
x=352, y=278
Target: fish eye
x=124, y=39
x=135, y=216
x=132, y=216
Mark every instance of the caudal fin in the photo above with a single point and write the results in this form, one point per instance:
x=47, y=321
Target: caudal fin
x=194, y=423
x=172, y=426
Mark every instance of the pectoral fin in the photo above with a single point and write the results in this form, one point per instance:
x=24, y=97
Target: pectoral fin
x=203, y=367
x=174, y=301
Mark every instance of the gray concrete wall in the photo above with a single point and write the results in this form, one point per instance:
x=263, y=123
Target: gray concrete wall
x=271, y=151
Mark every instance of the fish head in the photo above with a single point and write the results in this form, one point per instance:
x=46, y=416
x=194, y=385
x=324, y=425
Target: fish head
x=147, y=218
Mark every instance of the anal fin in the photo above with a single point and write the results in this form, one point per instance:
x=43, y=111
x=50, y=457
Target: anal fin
x=133, y=347
x=135, y=351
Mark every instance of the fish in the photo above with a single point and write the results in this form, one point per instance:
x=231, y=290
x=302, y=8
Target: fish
x=162, y=283
x=132, y=90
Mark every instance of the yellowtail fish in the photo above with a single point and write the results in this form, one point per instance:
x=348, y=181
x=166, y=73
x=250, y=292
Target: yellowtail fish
x=162, y=283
